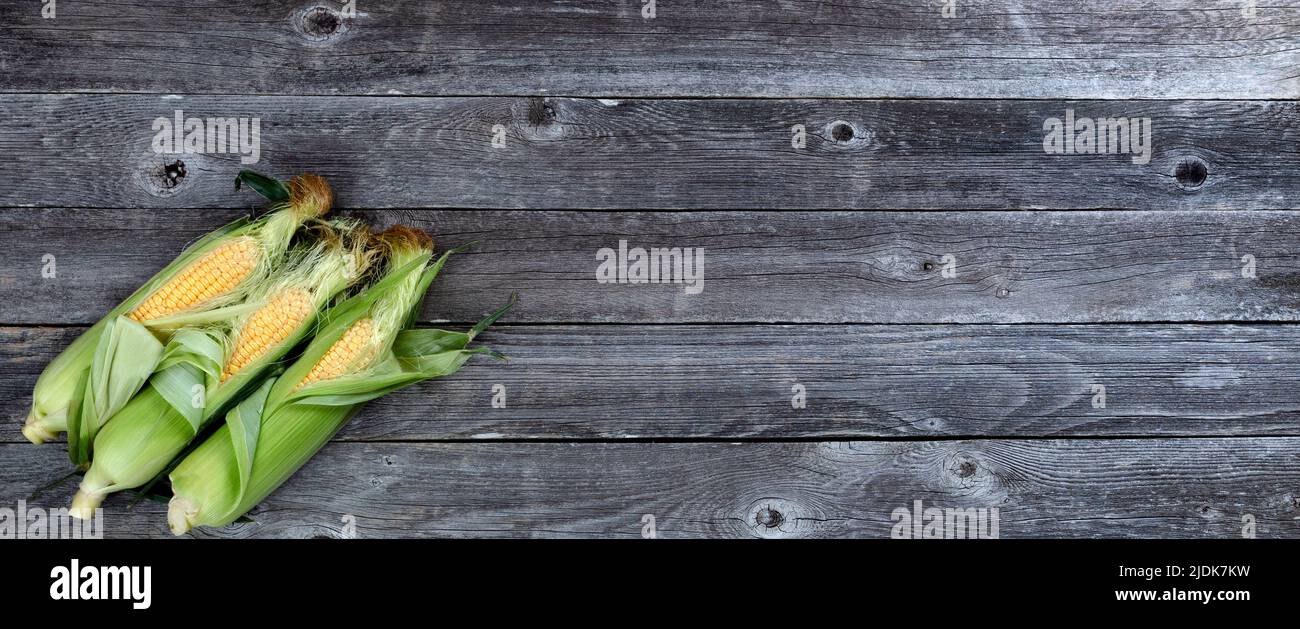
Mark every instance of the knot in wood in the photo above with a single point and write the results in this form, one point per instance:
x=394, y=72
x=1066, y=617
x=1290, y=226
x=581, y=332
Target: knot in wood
x=1191, y=172
x=540, y=112
x=842, y=132
x=319, y=24
x=769, y=517
x=772, y=517
x=170, y=175
x=162, y=179
x=972, y=476
x=541, y=118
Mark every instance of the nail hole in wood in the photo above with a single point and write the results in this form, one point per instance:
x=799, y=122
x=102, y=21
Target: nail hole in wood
x=1191, y=173
x=927, y=266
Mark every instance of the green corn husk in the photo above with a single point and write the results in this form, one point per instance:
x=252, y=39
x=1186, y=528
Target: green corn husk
x=196, y=381
x=104, y=367
x=274, y=432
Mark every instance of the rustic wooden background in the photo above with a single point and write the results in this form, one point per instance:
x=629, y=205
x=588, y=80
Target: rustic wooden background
x=823, y=264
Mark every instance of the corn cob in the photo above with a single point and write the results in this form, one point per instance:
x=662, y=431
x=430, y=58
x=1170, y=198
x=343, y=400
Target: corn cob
x=161, y=420
x=355, y=348
x=214, y=272
x=364, y=350
x=268, y=327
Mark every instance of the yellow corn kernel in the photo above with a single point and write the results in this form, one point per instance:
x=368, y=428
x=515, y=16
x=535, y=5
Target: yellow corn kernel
x=267, y=327
x=214, y=274
x=351, y=351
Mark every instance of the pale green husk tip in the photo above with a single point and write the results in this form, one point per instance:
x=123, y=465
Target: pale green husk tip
x=38, y=431
x=181, y=515
x=85, y=503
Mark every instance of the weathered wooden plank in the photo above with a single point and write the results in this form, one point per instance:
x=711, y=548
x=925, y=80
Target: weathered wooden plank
x=854, y=48
x=1193, y=488
x=729, y=382
x=99, y=151
x=861, y=267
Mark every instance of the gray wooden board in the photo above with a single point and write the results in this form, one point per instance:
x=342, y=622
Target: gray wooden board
x=803, y=267
x=733, y=382
x=98, y=151
x=854, y=48
x=1193, y=488
x=975, y=390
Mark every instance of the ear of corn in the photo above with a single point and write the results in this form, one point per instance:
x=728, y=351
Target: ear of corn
x=193, y=386
x=57, y=386
x=354, y=349
x=214, y=272
x=268, y=327
x=364, y=349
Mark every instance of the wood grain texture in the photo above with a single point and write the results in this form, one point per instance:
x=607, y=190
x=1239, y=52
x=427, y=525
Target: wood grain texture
x=738, y=382
x=853, y=48
x=923, y=138
x=799, y=267
x=97, y=151
x=1194, y=488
